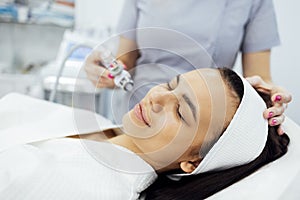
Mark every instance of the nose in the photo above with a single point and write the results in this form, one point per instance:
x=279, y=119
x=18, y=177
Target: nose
x=161, y=99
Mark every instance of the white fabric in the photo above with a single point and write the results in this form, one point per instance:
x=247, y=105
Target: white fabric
x=63, y=169
x=36, y=162
x=277, y=180
x=26, y=119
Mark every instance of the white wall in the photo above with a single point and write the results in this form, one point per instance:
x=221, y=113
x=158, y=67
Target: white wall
x=285, y=58
x=99, y=13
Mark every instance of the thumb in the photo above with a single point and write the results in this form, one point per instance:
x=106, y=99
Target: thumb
x=259, y=84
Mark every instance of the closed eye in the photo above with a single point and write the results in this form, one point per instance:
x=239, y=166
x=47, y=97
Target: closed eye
x=172, y=86
x=168, y=86
x=179, y=114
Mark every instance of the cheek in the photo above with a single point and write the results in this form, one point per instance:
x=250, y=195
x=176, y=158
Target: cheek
x=180, y=138
x=171, y=133
x=133, y=128
x=160, y=123
x=168, y=145
x=138, y=130
x=170, y=126
x=158, y=141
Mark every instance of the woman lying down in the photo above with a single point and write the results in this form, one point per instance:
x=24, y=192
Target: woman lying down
x=187, y=139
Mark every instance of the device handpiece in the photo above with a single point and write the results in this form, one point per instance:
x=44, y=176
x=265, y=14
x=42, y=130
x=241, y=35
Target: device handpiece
x=122, y=78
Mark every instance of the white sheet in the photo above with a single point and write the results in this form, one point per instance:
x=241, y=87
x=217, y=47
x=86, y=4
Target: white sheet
x=33, y=167
x=68, y=168
x=39, y=120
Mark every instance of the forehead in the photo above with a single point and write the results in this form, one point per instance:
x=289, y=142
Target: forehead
x=209, y=93
x=203, y=81
x=203, y=74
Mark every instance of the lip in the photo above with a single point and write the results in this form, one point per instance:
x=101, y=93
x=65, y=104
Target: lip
x=140, y=114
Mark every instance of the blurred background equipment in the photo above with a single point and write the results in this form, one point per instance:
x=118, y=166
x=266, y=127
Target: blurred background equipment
x=36, y=35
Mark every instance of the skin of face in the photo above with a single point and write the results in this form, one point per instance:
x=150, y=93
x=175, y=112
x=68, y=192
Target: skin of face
x=170, y=123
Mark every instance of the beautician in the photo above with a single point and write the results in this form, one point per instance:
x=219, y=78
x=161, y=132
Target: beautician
x=222, y=28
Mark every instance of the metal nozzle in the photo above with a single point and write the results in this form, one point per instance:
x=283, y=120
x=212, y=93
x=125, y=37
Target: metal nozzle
x=128, y=86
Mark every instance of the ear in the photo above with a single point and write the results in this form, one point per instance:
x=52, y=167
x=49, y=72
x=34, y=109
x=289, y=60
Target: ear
x=190, y=166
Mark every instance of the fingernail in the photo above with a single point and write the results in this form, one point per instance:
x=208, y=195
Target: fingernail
x=271, y=114
x=274, y=121
x=110, y=76
x=278, y=98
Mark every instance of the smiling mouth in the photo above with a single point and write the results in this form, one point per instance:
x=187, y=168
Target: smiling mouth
x=140, y=114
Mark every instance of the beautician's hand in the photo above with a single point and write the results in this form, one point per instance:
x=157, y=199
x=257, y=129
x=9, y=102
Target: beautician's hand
x=96, y=72
x=279, y=96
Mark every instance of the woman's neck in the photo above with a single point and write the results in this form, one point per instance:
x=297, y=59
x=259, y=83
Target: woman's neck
x=126, y=141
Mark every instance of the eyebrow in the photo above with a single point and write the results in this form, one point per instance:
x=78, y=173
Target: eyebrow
x=187, y=99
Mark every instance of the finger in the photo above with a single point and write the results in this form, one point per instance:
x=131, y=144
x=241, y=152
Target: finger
x=281, y=97
x=96, y=70
x=106, y=82
x=273, y=111
x=276, y=120
x=105, y=73
x=102, y=80
x=259, y=84
x=99, y=80
x=101, y=83
x=93, y=57
x=254, y=80
x=280, y=130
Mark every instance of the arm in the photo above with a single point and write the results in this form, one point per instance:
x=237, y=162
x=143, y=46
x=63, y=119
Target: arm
x=128, y=52
x=256, y=66
x=257, y=63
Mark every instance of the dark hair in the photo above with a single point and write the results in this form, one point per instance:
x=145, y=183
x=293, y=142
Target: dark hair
x=204, y=185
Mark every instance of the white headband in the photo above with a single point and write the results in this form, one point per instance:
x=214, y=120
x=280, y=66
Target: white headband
x=243, y=140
